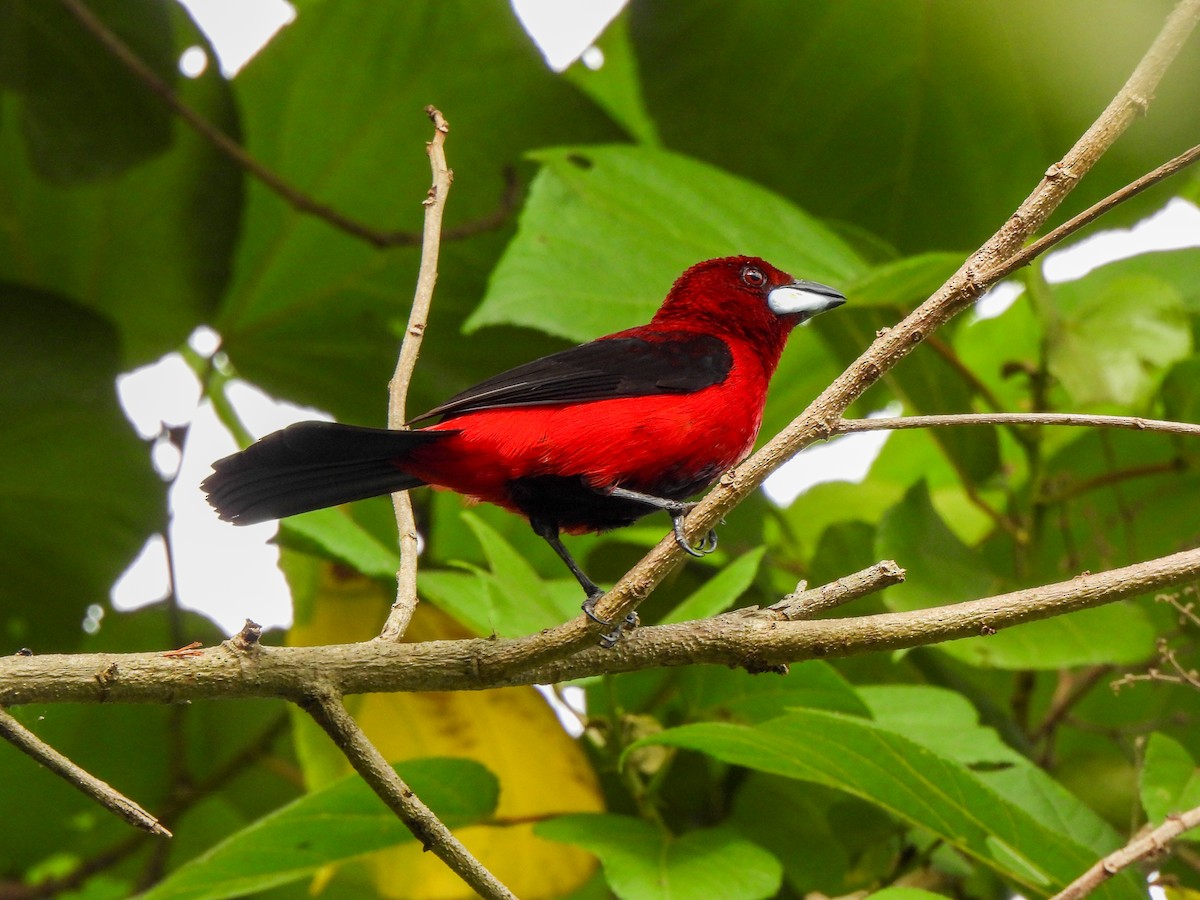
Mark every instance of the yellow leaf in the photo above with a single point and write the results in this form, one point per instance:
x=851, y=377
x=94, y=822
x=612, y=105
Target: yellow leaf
x=513, y=731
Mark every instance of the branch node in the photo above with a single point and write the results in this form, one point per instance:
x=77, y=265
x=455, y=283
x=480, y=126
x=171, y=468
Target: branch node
x=247, y=639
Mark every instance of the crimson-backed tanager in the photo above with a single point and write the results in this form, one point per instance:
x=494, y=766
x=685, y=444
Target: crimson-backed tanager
x=584, y=440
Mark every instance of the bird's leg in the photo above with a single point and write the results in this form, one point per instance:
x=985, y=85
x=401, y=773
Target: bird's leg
x=677, y=510
x=547, y=530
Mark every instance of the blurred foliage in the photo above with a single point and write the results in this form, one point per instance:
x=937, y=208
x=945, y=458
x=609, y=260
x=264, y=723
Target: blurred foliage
x=866, y=143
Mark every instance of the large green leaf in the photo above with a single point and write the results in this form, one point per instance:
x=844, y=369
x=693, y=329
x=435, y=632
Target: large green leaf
x=149, y=248
x=337, y=823
x=924, y=124
x=1114, y=332
x=715, y=692
x=720, y=592
x=607, y=229
x=1170, y=780
x=335, y=105
x=946, y=723
x=83, y=115
x=943, y=570
x=78, y=497
x=847, y=844
x=509, y=598
x=642, y=862
x=911, y=782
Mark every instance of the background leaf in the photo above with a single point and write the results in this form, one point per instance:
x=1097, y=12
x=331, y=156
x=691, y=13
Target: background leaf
x=340, y=822
x=908, y=781
x=642, y=862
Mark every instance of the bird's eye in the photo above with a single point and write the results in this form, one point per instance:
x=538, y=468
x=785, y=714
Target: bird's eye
x=753, y=276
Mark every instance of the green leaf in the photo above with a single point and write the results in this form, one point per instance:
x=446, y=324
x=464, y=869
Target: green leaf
x=715, y=692
x=511, y=599
x=952, y=573
x=721, y=591
x=946, y=723
x=905, y=282
x=149, y=250
x=941, y=720
x=336, y=535
x=1003, y=351
x=615, y=86
x=955, y=572
x=909, y=781
x=607, y=229
x=83, y=115
x=1170, y=781
x=641, y=861
x=1106, y=347
x=783, y=815
x=905, y=893
x=337, y=823
x=885, y=115
x=78, y=497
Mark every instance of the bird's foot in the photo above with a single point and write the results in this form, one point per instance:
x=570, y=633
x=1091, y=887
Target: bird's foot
x=609, y=639
x=707, y=544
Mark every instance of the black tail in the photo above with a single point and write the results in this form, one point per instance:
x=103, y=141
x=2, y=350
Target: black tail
x=311, y=465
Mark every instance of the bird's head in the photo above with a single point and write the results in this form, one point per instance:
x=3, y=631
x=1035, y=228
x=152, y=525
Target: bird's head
x=747, y=297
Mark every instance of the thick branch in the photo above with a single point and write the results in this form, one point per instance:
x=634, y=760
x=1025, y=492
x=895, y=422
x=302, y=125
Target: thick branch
x=102, y=792
x=410, y=348
x=732, y=639
x=1136, y=850
x=329, y=712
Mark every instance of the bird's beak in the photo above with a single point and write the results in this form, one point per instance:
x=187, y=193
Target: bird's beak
x=803, y=298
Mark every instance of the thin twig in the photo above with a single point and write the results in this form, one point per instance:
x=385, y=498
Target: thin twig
x=1150, y=844
x=103, y=793
x=329, y=712
x=410, y=348
x=1072, y=688
x=1116, y=476
x=1093, y=212
x=1078, y=420
x=810, y=603
x=226, y=145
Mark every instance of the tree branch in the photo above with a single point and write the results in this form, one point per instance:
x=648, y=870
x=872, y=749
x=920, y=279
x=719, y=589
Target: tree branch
x=292, y=195
x=328, y=711
x=740, y=638
x=1136, y=850
x=1093, y=212
x=410, y=348
x=1078, y=420
x=102, y=792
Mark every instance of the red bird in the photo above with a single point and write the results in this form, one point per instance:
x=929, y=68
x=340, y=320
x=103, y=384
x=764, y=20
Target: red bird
x=586, y=440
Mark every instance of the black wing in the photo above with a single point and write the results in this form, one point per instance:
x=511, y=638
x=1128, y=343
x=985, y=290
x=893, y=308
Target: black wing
x=673, y=363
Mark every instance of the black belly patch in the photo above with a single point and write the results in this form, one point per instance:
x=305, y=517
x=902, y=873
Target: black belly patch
x=571, y=504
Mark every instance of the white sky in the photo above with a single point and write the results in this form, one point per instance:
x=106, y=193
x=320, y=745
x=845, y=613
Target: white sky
x=229, y=572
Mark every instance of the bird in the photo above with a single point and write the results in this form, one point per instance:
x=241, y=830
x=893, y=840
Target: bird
x=588, y=439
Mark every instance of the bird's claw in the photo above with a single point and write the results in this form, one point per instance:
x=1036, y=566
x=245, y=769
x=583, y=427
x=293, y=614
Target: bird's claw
x=609, y=639
x=706, y=546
